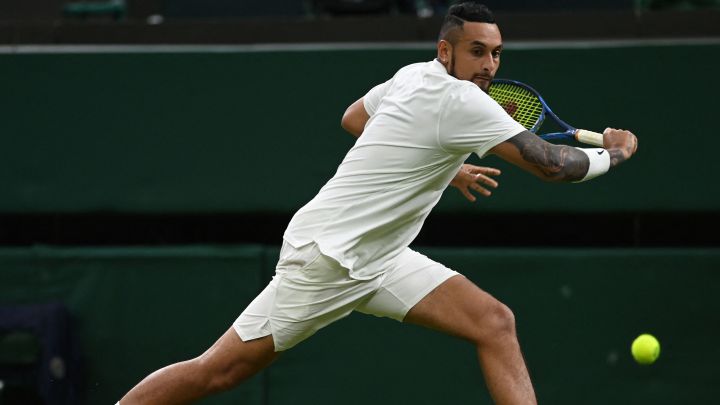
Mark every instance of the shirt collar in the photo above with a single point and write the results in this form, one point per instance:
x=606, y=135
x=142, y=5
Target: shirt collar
x=437, y=66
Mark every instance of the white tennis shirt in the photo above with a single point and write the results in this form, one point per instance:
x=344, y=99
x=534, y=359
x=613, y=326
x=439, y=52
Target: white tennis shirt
x=423, y=125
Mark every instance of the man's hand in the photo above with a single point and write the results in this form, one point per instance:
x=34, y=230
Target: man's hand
x=469, y=177
x=620, y=143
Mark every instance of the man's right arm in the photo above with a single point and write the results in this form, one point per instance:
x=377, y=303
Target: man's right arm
x=359, y=112
x=562, y=163
x=355, y=118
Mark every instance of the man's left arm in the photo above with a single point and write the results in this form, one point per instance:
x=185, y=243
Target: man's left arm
x=475, y=178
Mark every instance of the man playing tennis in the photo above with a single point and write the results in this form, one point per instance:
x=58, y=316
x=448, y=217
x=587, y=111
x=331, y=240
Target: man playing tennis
x=347, y=249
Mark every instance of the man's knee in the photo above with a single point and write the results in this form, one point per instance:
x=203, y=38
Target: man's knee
x=505, y=319
x=495, y=324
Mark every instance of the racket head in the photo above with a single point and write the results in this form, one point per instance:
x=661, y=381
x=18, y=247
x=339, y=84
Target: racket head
x=526, y=106
x=523, y=103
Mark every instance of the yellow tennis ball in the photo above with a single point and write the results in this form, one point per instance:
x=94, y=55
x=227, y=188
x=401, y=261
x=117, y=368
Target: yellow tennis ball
x=645, y=349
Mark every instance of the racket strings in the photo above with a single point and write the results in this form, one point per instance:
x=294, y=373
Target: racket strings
x=522, y=105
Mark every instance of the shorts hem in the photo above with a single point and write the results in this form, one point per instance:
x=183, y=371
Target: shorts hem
x=425, y=291
x=246, y=337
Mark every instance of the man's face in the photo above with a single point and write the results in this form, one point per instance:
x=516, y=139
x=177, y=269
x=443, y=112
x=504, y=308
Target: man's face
x=476, y=54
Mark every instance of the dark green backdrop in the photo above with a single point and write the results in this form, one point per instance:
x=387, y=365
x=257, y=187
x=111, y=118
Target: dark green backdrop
x=259, y=131
x=577, y=313
x=245, y=132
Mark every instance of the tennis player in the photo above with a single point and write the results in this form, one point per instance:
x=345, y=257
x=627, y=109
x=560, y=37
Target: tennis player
x=347, y=249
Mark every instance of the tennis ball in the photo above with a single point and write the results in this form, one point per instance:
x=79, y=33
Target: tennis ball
x=645, y=349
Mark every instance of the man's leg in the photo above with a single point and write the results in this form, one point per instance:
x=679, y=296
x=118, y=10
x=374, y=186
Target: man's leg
x=227, y=363
x=460, y=308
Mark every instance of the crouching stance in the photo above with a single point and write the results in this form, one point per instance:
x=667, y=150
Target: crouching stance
x=348, y=248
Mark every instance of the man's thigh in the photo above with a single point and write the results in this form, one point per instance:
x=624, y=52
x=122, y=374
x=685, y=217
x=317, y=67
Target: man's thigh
x=457, y=307
x=308, y=292
x=230, y=354
x=411, y=277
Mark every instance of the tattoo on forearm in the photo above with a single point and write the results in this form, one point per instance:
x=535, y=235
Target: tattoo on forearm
x=556, y=162
x=616, y=157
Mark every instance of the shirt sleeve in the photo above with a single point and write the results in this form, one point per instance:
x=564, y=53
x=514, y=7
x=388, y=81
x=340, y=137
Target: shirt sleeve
x=372, y=99
x=471, y=121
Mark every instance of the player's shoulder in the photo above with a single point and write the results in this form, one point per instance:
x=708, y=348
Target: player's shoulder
x=414, y=66
x=465, y=95
x=467, y=88
x=415, y=69
x=467, y=104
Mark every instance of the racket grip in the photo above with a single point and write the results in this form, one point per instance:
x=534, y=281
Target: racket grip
x=589, y=137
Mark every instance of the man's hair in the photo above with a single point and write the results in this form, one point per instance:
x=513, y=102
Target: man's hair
x=461, y=12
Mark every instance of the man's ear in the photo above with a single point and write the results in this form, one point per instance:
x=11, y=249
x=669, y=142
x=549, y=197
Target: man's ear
x=444, y=51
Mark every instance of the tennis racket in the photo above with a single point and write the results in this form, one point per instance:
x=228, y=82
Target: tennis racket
x=527, y=107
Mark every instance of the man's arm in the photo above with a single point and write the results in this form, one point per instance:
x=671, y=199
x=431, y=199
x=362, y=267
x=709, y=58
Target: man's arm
x=471, y=177
x=562, y=163
x=355, y=118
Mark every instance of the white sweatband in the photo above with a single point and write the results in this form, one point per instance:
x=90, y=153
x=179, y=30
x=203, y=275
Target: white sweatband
x=599, y=162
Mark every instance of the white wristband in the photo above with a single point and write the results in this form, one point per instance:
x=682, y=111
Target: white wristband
x=599, y=162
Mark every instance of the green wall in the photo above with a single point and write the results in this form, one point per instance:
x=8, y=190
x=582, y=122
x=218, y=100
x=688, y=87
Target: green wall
x=248, y=132
x=577, y=312
x=259, y=131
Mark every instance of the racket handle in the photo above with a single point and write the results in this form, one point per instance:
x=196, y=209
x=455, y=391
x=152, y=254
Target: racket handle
x=589, y=137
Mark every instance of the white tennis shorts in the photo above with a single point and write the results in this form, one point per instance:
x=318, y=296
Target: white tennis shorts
x=310, y=291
